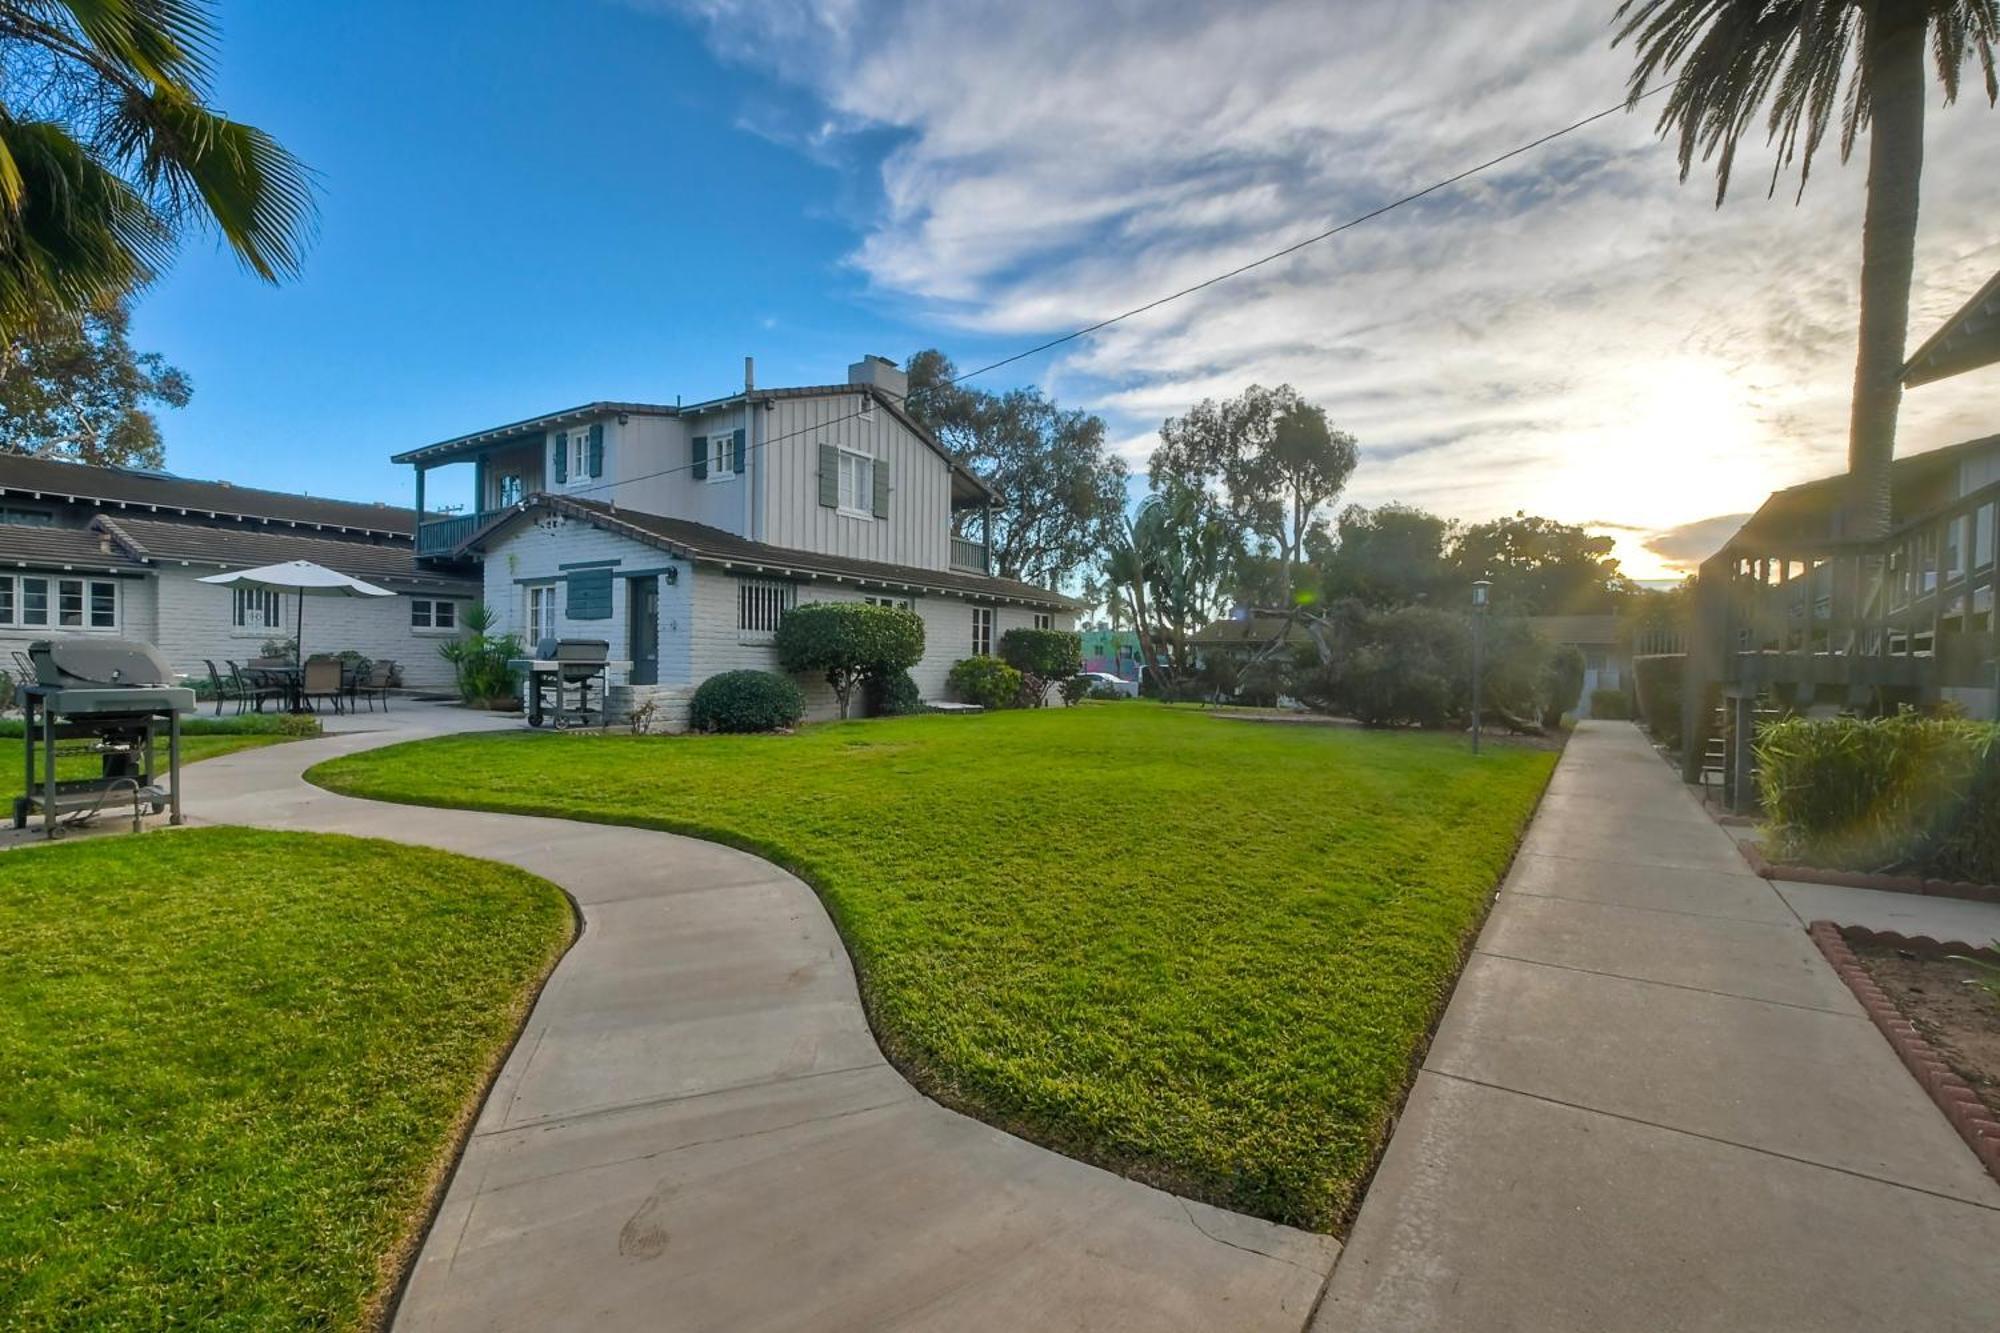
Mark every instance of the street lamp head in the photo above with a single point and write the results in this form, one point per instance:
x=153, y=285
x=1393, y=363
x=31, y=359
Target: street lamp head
x=1479, y=588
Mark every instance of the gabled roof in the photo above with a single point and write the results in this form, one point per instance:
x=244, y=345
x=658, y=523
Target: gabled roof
x=139, y=489
x=33, y=546
x=548, y=421
x=216, y=546
x=1968, y=340
x=570, y=416
x=701, y=543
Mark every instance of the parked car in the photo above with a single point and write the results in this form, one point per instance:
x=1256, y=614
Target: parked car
x=1103, y=682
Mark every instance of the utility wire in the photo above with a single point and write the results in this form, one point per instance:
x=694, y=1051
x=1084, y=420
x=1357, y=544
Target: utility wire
x=1203, y=285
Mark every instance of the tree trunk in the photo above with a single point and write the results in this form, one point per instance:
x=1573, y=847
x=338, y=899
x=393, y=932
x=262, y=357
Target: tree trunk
x=1894, y=74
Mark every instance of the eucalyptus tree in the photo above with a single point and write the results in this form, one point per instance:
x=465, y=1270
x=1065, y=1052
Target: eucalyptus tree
x=110, y=152
x=1807, y=64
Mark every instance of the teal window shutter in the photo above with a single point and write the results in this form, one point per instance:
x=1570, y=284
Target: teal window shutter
x=562, y=456
x=829, y=476
x=736, y=452
x=590, y=594
x=881, y=471
x=597, y=449
x=701, y=458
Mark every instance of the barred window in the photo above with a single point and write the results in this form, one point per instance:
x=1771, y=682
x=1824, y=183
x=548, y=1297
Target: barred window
x=760, y=605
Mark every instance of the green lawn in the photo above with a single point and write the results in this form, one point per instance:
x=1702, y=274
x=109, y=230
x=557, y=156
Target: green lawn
x=233, y=1064
x=1203, y=952
x=201, y=738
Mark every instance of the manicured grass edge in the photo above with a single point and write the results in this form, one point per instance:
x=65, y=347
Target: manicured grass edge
x=396, y=1264
x=920, y=1075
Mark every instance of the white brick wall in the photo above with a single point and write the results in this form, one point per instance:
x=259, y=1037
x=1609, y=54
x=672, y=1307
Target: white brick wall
x=189, y=622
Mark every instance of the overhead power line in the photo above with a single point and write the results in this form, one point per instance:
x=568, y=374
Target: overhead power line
x=1203, y=285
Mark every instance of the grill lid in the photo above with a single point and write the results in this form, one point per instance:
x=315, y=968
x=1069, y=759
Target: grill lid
x=97, y=663
x=575, y=650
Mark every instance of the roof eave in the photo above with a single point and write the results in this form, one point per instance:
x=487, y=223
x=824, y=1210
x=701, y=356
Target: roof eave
x=548, y=421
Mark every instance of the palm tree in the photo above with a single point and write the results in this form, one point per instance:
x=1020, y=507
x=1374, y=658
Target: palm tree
x=1809, y=59
x=109, y=152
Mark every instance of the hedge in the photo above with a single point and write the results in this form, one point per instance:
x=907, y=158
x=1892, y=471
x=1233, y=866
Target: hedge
x=1908, y=793
x=1043, y=657
x=746, y=701
x=1657, y=680
x=986, y=681
x=1610, y=705
x=849, y=642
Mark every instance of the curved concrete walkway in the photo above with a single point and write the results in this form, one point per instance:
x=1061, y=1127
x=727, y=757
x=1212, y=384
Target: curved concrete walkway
x=697, y=1130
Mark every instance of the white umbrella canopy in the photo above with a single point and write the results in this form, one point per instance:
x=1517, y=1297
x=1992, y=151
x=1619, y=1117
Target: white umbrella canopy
x=305, y=579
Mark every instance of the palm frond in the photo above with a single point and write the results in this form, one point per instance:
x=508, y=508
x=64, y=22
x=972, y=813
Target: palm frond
x=258, y=196
x=82, y=236
x=1801, y=61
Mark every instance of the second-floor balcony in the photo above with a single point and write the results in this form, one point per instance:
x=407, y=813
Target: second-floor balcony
x=443, y=536
x=970, y=556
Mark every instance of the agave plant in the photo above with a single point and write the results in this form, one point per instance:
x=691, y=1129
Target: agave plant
x=109, y=152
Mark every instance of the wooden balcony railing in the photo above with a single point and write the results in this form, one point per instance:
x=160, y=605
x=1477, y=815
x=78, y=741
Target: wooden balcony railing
x=969, y=556
x=1912, y=611
x=445, y=535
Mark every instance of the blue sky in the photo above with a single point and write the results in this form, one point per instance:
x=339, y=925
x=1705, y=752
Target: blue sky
x=532, y=203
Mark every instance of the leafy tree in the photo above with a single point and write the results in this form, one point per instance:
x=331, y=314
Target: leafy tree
x=1393, y=555
x=1043, y=657
x=1189, y=577
x=1808, y=59
x=1058, y=492
x=849, y=642
x=1275, y=460
x=73, y=389
x=1539, y=566
x=109, y=153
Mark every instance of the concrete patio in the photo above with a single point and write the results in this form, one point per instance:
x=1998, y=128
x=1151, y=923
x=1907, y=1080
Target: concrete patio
x=1652, y=1105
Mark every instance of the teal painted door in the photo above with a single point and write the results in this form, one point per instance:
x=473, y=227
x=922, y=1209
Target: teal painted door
x=644, y=629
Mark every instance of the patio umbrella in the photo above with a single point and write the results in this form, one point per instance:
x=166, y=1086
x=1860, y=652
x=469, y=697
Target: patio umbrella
x=304, y=579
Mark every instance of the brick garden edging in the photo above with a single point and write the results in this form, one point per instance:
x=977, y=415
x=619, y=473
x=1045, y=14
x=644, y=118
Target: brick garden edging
x=1968, y=1115
x=1862, y=879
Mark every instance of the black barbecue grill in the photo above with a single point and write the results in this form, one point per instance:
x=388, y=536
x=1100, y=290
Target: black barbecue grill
x=107, y=699
x=566, y=682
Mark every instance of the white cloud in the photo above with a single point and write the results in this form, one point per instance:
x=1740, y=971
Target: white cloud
x=1573, y=333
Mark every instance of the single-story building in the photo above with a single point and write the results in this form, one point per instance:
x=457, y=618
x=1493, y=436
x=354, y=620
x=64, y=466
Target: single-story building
x=121, y=552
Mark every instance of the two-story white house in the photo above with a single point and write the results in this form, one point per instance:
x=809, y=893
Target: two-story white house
x=682, y=534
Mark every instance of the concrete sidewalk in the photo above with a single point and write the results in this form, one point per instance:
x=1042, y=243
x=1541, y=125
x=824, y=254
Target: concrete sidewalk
x=698, y=1131
x=1653, y=1106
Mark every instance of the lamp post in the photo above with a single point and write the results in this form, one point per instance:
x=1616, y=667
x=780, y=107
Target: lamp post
x=1479, y=590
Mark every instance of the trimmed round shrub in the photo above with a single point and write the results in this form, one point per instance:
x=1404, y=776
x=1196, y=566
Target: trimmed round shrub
x=894, y=696
x=986, y=681
x=849, y=642
x=746, y=701
x=1043, y=657
x=1076, y=689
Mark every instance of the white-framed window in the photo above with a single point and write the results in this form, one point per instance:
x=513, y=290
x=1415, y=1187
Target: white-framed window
x=900, y=603
x=512, y=489
x=255, y=608
x=760, y=605
x=541, y=614
x=982, y=631
x=721, y=467
x=579, y=455
x=857, y=484
x=1043, y=620
x=433, y=614
x=40, y=601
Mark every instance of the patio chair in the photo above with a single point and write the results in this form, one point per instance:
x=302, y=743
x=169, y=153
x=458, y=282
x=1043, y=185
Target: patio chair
x=232, y=688
x=321, y=680
x=374, y=684
x=257, y=686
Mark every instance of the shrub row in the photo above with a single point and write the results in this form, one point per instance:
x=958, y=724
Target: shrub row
x=1898, y=793
x=1657, y=680
x=1610, y=705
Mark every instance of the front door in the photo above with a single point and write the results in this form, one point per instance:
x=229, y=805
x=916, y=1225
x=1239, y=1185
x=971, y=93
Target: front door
x=644, y=633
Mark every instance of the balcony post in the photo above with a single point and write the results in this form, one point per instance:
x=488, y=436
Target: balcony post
x=420, y=501
x=986, y=537
x=478, y=488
